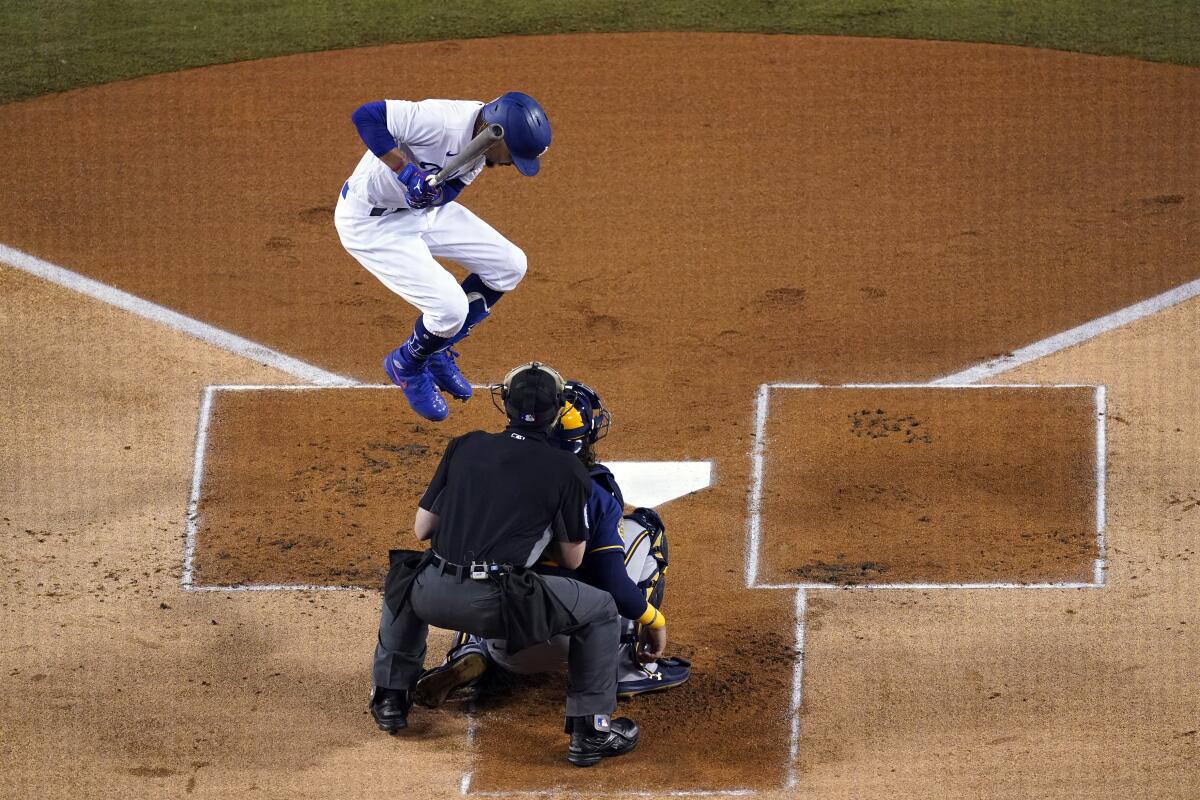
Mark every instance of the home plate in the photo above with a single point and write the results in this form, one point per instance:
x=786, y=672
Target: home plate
x=654, y=483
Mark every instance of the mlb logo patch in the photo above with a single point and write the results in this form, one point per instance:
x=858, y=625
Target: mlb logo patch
x=601, y=722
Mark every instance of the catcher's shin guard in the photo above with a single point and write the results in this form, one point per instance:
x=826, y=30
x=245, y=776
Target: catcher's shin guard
x=647, y=546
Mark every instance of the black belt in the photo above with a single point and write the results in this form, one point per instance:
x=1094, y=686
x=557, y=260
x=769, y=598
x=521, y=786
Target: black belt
x=375, y=212
x=479, y=570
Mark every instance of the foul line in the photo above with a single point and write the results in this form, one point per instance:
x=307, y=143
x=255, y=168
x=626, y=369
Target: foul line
x=172, y=319
x=1074, y=336
x=1101, y=484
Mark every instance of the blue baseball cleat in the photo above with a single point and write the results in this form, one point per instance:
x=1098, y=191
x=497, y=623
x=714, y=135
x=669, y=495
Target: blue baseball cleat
x=447, y=376
x=417, y=384
x=666, y=674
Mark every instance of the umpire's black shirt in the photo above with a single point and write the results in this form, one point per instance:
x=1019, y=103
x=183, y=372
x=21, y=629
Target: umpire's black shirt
x=502, y=497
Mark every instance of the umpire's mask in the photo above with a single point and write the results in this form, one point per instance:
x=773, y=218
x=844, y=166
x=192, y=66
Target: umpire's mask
x=532, y=394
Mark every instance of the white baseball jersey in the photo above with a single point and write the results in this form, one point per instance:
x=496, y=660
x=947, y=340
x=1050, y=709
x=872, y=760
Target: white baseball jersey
x=429, y=133
x=401, y=246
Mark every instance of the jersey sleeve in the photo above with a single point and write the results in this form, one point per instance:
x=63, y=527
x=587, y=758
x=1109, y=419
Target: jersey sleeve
x=605, y=517
x=414, y=124
x=433, y=492
x=605, y=569
x=573, y=523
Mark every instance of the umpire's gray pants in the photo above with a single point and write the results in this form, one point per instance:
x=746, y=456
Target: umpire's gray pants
x=474, y=607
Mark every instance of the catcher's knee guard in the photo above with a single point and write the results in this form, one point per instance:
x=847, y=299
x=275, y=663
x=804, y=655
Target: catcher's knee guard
x=646, y=561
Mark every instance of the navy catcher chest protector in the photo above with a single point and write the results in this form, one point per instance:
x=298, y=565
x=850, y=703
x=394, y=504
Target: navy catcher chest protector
x=603, y=476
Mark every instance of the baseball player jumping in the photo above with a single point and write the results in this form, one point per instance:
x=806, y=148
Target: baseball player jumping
x=398, y=211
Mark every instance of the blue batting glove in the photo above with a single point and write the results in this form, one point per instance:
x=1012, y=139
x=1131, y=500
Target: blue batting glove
x=417, y=191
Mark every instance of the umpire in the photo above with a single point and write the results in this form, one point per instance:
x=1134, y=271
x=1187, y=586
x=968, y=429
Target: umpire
x=496, y=503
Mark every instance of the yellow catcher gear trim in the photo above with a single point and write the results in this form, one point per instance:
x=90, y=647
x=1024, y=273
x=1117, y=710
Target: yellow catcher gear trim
x=652, y=618
x=571, y=420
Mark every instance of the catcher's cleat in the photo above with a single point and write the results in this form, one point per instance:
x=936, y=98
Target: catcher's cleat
x=437, y=684
x=667, y=674
x=417, y=384
x=447, y=376
x=390, y=708
x=594, y=738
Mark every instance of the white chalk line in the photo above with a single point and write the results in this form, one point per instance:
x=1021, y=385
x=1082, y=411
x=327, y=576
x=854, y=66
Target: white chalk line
x=1101, y=565
x=1076, y=335
x=274, y=587
x=567, y=791
x=929, y=386
x=193, y=506
x=801, y=612
x=870, y=587
x=172, y=319
x=754, y=515
x=301, y=387
x=464, y=784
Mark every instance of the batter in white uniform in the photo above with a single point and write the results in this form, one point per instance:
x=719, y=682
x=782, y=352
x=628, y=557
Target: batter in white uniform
x=391, y=220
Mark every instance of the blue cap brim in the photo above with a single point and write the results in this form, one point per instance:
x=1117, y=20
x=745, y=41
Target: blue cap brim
x=526, y=166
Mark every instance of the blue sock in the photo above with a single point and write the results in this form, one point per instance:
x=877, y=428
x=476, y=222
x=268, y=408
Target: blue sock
x=422, y=344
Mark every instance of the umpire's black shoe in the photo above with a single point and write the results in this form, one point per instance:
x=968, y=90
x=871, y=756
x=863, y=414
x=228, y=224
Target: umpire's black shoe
x=390, y=708
x=435, y=685
x=594, y=738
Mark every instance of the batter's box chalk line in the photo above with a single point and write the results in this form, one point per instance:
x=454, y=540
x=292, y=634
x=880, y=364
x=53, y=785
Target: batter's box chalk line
x=645, y=483
x=758, y=455
x=318, y=377
x=754, y=527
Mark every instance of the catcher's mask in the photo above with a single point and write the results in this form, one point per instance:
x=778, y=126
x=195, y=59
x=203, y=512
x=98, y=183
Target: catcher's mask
x=584, y=419
x=531, y=395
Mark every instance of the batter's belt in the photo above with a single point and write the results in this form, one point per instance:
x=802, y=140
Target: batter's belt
x=375, y=211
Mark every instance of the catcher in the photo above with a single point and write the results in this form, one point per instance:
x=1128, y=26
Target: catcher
x=626, y=557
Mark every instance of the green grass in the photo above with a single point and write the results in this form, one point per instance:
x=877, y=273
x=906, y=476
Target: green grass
x=53, y=46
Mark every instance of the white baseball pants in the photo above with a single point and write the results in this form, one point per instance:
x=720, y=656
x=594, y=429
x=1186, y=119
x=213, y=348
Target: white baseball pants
x=399, y=248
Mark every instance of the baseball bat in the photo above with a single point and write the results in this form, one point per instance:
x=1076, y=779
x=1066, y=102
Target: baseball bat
x=485, y=139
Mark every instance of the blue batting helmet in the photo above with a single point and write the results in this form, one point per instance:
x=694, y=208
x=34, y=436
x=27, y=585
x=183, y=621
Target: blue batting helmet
x=526, y=129
x=584, y=419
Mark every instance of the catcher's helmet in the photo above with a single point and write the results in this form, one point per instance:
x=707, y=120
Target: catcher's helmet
x=526, y=129
x=584, y=419
x=531, y=394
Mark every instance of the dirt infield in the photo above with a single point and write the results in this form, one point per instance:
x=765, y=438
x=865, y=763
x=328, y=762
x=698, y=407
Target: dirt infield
x=926, y=207
x=943, y=486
